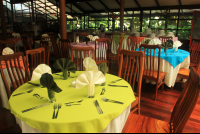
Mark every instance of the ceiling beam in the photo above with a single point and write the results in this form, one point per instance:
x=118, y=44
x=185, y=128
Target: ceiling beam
x=76, y=1
x=79, y=7
x=157, y=3
x=117, y=2
x=71, y=9
x=91, y=6
x=137, y=3
x=180, y=3
x=104, y=5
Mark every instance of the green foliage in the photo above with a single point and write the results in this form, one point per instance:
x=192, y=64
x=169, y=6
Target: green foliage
x=147, y=41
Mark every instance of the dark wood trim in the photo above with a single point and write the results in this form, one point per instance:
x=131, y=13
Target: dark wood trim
x=180, y=3
x=141, y=19
x=177, y=23
x=3, y=22
x=117, y=2
x=157, y=3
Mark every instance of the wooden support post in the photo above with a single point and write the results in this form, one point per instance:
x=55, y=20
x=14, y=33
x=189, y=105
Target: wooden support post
x=121, y=15
x=84, y=22
x=108, y=21
x=141, y=19
x=3, y=22
x=63, y=19
x=33, y=19
x=13, y=17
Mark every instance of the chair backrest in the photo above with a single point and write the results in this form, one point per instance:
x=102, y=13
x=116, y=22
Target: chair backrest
x=132, y=43
x=195, y=51
x=36, y=56
x=80, y=53
x=101, y=52
x=26, y=43
x=50, y=33
x=131, y=65
x=149, y=63
x=14, y=71
x=70, y=36
x=46, y=45
x=185, y=103
x=64, y=45
x=8, y=43
x=164, y=39
x=110, y=37
x=84, y=34
x=119, y=49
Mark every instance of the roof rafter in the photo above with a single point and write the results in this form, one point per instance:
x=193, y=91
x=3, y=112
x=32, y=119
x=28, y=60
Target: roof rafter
x=180, y=3
x=91, y=6
x=104, y=5
x=157, y=3
x=71, y=9
x=79, y=7
x=137, y=3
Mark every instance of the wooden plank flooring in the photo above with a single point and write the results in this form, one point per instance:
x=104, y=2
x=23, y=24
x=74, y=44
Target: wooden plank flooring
x=160, y=109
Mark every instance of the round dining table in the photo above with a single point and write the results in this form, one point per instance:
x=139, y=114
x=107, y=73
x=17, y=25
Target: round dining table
x=81, y=118
x=170, y=63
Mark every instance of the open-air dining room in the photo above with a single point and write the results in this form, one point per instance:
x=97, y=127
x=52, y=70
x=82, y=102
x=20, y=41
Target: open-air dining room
x=99, y=66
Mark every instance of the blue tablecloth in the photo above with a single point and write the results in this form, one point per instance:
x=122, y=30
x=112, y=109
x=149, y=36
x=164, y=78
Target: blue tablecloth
x=174, y=58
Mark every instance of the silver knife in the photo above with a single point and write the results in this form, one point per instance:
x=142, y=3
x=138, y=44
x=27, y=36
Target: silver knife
x=99, y=107
x=35, y=107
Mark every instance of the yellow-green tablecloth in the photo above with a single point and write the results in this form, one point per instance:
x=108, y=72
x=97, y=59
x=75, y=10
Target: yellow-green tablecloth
x=117, y=37
x=77, y=118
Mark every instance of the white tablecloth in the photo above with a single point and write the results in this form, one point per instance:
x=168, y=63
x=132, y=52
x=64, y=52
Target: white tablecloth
x=115, y=126
x=171, y=73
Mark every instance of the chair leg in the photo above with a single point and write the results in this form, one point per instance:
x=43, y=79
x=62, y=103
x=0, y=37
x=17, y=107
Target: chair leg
x=139, y=108
x=156, y=91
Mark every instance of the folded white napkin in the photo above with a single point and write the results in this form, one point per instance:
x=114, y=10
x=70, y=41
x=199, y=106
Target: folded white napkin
x=39, y=70
x=77, y=39
x=89, y=64
x=177, y=44
x=16, y=35
x=90, y=37
x=7, y=51
x=90, y=78
x=45, y=35
x=95, y=37
x=155, y=41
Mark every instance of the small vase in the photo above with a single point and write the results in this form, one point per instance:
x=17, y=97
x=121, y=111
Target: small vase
x=65, y=75
x=51, y=96
x=165, y=50
x=91, y=91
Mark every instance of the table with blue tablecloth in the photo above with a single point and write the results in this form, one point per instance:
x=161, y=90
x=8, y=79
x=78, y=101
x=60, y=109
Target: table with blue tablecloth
x=171, y=63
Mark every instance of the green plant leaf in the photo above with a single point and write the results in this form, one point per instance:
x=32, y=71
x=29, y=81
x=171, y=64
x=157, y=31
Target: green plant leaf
x=46, y=80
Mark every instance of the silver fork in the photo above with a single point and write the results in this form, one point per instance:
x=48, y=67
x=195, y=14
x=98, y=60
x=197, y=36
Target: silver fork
x=54, y=107
x=115, y=81
x=59, y=107
x=94, y=102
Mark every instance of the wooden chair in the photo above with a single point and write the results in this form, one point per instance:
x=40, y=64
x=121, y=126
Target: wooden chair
x=26, y=43
x=46, y=46
x=7, y=43
x=84, y=34
x=70, y=36
x=164, y=39
x=101, y=52
x=64, y=45
x=194, y=52
x=183, y=73
x=132, y=43
x=179, y=117
x=152, y=69
x=14, y=76
x=80, y=54
x=36, y=56
x=114, y=58
x=134, y=64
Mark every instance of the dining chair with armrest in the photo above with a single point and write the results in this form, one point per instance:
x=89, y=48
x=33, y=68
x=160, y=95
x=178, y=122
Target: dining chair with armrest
x=194, y=52
x=151, y=68
x=79, y=53
x=132, y=64
x=180, y=114
x=36, y=56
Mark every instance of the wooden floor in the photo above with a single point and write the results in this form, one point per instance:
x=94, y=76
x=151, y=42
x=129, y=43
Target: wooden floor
x=160, y=109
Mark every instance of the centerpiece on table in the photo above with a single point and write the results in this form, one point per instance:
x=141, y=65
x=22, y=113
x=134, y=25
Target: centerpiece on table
x=7, y=51
x=155, y=41
x=66, y=65
x=46, y=80
x=177, y=44
x=104, y=70
x=90, y=37
x=39, y=70
x=167, y=45
x=90, y=78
